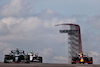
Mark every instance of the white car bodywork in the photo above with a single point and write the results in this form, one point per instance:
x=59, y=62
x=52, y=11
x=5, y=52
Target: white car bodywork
x=31, y=56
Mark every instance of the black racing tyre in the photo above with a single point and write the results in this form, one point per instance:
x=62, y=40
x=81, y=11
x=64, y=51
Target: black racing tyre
x=74, y=59
x=40, y=59
x=21, y=57
x=7, y=57
x=90, y=59
x=90, y=63
x=5, y=60
x=73, y=63
x=27, y=59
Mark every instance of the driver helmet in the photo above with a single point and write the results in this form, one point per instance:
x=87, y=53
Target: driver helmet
x=31, y=52
x=81, y=53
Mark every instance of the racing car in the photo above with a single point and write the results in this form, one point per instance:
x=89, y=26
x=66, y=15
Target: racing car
x=82, y=58
x=17, y=56
x=35, y=57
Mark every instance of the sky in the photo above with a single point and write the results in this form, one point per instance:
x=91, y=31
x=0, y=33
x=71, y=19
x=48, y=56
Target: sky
x=30, y=25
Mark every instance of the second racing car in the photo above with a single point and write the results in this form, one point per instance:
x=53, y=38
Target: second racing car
x=35, y=57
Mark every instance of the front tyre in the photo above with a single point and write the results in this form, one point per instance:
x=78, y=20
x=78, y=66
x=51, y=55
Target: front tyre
x=40, y=59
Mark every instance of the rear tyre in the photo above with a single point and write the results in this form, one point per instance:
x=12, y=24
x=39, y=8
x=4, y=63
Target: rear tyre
x=27, y=59
x=73, y=63
x=73, y=59
x=21, y=57
x=7, y=57
x=90, y=60
x=40, y=59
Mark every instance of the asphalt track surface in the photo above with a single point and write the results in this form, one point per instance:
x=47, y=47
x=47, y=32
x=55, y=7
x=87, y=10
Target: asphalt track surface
x=46, y=65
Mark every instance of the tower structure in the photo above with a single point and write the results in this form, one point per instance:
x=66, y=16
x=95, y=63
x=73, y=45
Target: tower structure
x=74, y=39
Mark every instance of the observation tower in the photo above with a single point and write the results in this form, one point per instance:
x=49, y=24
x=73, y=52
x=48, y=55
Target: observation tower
x=74, y=39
